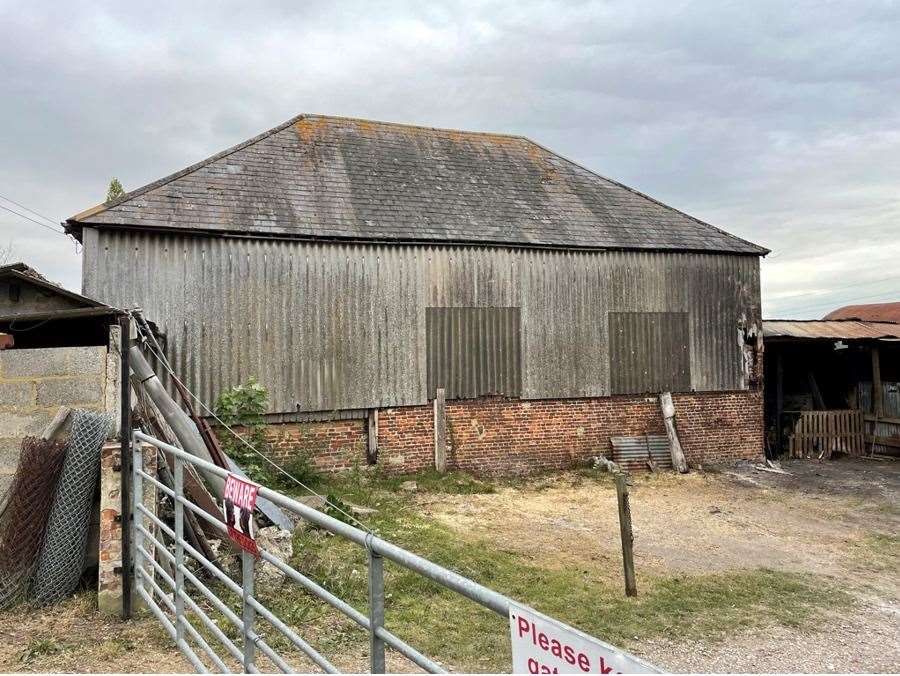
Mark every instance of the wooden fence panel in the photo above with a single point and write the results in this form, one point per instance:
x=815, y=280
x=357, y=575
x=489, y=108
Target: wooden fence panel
x=817, y=434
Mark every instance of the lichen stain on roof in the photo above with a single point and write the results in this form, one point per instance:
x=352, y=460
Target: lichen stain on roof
x=342, y=178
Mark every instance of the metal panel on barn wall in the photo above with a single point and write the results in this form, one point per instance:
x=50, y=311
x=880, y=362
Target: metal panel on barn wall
x=649, y=352
x=328, y=327
x=473, y=351
x=342, y=326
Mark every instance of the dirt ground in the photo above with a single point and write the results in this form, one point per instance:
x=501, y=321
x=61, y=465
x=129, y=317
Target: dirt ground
x=839, y=519
x=71, y=637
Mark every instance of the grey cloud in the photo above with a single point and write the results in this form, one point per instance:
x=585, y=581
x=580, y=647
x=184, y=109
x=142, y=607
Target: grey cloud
x=774, y=121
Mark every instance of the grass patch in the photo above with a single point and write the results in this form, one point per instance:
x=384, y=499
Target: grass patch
x=461, y=634
x=40, y=647
x=878, y=552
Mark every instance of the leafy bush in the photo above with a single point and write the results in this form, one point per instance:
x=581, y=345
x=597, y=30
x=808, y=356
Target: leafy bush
x=244, y=406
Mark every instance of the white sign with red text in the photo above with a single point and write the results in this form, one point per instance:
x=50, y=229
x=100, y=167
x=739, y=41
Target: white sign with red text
x=541, y=645
x=239, y=501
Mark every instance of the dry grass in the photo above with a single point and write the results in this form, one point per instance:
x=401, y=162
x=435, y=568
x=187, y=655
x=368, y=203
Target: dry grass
x=71, y=637
x=752, y=573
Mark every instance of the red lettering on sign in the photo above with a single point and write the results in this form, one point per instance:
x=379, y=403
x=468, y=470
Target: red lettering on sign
x=553, y=646
x=239, y=501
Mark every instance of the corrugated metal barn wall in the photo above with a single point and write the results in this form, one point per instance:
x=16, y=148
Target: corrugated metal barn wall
x=343, y=326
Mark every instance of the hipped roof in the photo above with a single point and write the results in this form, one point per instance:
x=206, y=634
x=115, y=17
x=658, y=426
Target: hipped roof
x=336, y=178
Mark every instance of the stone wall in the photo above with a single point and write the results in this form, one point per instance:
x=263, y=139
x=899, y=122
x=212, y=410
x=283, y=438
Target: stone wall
x=498, y=436
x=35, y=383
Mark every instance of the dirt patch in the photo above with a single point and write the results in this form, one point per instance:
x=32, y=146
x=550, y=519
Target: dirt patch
x=700, y=522
x=72, y=637
x=837, y=519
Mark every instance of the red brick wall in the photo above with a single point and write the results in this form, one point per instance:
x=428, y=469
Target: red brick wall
x=333, y=445
x=503, y=436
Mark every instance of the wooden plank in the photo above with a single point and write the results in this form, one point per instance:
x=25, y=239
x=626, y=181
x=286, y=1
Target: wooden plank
x=893, y=442
x=891, y=421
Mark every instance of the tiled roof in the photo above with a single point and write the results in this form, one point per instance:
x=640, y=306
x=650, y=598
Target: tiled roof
x=328, y=177
x=873, y=312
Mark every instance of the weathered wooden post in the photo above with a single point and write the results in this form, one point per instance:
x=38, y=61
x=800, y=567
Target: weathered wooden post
x=626, y=533
x=668, y=412
x=440, y=430
x=372, y=436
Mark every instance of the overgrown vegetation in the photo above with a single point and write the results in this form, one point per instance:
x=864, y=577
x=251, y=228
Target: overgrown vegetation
x=244, y=407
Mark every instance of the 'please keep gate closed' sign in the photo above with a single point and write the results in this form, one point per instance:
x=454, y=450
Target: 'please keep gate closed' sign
x=541, y=645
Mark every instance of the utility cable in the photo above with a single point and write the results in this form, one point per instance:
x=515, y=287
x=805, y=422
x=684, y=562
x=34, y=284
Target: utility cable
x=33, y=220
x=22, y=206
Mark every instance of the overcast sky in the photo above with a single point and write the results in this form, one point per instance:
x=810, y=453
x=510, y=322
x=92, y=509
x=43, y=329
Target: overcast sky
x=779, y=122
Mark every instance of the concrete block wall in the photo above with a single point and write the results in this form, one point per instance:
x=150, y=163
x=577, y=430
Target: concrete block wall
x=35, y=383
x=500, y=436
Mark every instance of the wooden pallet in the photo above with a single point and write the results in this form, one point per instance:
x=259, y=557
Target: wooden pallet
x=817, y=434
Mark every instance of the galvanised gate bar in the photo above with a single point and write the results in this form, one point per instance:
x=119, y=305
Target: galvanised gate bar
x=172, y=612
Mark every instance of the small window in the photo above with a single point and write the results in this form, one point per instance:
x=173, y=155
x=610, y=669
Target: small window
x=649, y=352
x=473, y=351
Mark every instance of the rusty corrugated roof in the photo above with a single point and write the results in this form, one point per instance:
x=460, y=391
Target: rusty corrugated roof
x=841, y=329
x=873, y=312
x=337, y=178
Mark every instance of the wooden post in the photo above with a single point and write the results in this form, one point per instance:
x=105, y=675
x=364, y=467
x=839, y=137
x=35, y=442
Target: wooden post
x=877, y=389
x=779, y=399
x=668, y=412
x=626, y=533
x=440, y=430
x=372, y=436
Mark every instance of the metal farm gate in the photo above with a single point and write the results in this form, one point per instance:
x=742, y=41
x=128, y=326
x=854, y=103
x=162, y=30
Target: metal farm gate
x=167, y=589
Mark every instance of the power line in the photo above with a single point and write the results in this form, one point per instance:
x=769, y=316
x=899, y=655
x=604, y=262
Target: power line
x=833, y=303
x=843, y=286
x=165, y=364
x=33, y=220
x=22, y=206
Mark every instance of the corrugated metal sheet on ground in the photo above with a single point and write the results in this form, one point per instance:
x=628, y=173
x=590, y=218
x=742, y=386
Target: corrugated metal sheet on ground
x=631, y=453
x=838, y=329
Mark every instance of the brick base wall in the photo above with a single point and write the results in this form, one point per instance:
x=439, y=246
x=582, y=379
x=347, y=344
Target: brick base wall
x=504, y=436
x=332, y=445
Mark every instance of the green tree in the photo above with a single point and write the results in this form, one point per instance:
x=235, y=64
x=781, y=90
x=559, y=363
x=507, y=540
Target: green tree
x=115, y=190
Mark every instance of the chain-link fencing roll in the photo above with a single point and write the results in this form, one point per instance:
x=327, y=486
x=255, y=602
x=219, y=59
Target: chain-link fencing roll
x=62, y=557
x=23, y=518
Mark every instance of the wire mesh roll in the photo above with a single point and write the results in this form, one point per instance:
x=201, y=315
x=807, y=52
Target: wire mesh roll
x=62, y=557
x=23, y=521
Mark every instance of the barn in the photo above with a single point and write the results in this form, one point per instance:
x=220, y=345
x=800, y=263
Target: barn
x=357, y=268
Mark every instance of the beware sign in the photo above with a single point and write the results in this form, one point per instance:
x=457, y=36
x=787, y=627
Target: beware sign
x=541, y=645
x=238, y=504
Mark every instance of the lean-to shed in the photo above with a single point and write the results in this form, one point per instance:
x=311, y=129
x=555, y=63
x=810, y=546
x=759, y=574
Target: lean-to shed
x=355, y=266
